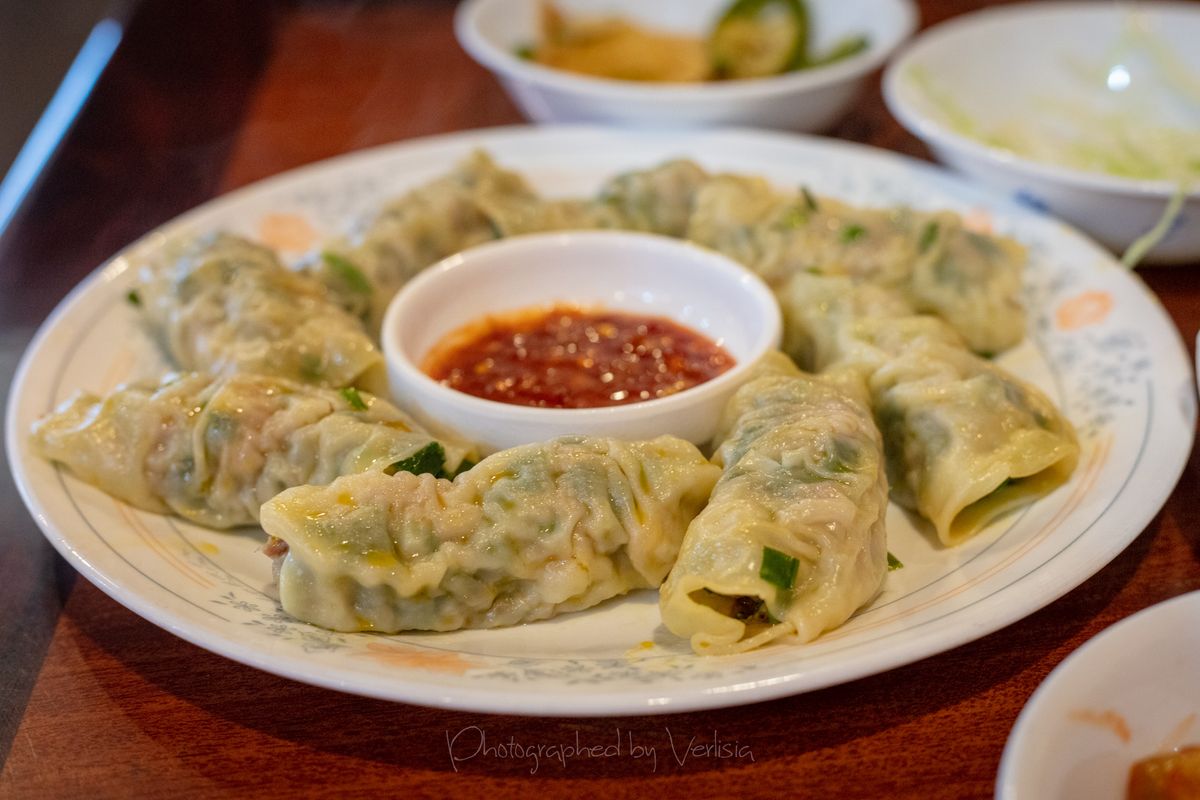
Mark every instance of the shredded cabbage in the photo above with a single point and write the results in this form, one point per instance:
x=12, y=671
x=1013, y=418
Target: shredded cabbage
x=1115, y=122
x=1146, y=242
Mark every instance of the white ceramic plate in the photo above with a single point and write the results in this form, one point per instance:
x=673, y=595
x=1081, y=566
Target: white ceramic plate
x=1127, y=694
x=1099, y=343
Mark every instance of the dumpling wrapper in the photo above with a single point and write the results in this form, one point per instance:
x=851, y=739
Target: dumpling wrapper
x=479, y=201
x=659, y=200
x=223, y=305
x=413, y=231
x=803, y=477
x=527, y=533
x=214, y=450
x=966, y=441
x=970, y=279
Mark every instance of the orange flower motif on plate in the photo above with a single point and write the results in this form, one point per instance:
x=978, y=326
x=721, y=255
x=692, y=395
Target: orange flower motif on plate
x=420, y=658
x=978, y=220
x=1089, y=308
x=286, y=231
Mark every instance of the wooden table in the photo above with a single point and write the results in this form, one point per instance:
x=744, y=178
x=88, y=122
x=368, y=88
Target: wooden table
x=202, y=97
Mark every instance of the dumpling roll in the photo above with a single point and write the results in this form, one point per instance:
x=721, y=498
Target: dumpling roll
x=479, y=201
x=966, y=441
x=527, y=533
x=214, y=450
x=224, y=305
x=831, y=320
x=792, y=541
x=418, y=228
x=971, y=280
x=656, y=200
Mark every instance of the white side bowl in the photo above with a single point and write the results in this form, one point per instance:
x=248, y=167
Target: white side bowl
x=807, y=100
x=632, y=272
x=1127, y=694
x=1001, y=64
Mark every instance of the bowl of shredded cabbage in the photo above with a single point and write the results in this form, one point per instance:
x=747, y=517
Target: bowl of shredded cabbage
x=1086, y=111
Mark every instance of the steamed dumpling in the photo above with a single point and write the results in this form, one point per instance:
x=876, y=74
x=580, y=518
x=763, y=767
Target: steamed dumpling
x=527, y=533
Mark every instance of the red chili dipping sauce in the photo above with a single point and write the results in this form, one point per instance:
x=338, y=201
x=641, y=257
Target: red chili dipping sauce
x=569, y=357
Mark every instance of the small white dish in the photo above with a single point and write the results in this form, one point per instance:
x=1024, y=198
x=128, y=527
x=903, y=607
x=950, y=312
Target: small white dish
x=1031, y=74
x=1129, y=693
x=632, y=272
x=491, y=31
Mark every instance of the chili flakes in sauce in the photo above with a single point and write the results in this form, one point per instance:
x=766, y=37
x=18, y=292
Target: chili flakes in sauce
x=569, y=357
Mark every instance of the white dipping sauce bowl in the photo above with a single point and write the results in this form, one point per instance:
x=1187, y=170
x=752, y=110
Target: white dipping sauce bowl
x=812, y=99
x=630, y=272
x=999, y=64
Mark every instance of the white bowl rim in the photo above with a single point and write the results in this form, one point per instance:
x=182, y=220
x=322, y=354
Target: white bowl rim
x=936, y=133
x=766, y=340
x=1014, y=757
x=509, y=65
